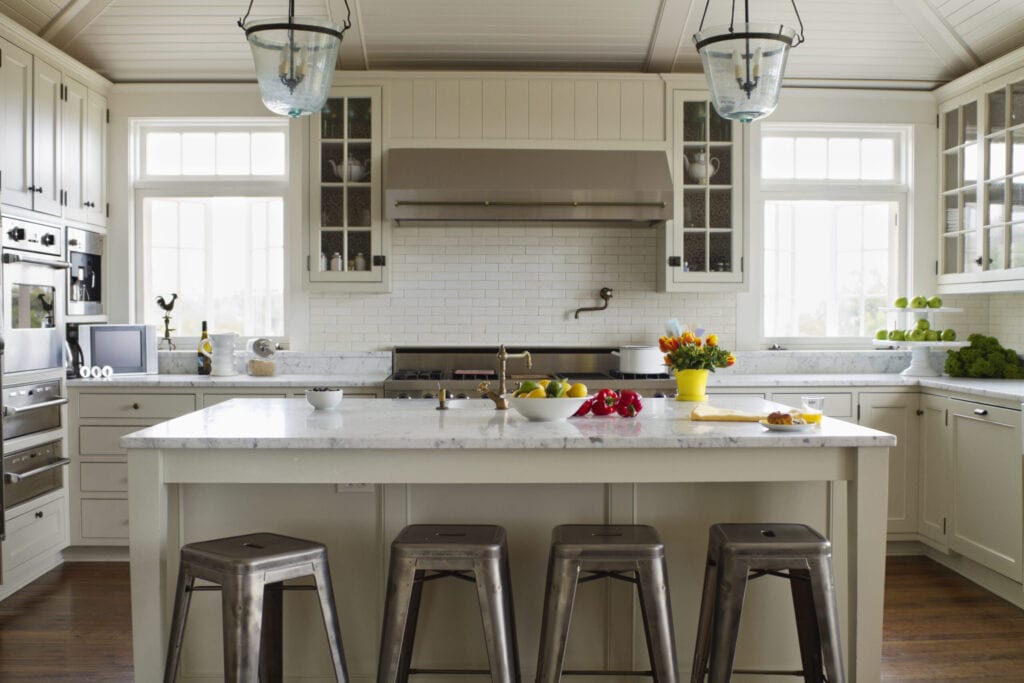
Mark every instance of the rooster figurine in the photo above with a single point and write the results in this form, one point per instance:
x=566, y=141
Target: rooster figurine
x=167, y=307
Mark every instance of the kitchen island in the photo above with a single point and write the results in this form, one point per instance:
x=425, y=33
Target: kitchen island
x=220, y=470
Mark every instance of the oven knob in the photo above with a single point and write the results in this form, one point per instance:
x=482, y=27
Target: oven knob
x=16, y=234
x=48, y=240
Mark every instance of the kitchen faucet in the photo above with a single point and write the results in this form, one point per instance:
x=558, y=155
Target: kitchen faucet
x=500, y=402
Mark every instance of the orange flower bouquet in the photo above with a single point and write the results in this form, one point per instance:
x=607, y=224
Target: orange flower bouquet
x=690, y=352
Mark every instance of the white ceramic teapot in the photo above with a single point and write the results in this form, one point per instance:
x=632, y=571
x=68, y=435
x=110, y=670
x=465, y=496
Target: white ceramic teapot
x=223, y=355
x=701, y=169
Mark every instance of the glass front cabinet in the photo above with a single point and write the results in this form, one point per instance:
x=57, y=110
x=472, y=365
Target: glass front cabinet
x=982, y=200
x=704, y=242
x=345, y=235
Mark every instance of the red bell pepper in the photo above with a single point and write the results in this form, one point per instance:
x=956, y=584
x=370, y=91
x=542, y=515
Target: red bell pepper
x=585, y=408
x=629, y=404
x=604, y=402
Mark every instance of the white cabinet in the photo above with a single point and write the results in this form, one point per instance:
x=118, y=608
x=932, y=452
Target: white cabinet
x=33, y=531
x=897, y=414
x=73, y=118
x=94, y=161
x=933, y=453
x=703, y=245
x=988, y=505
x=46, y=101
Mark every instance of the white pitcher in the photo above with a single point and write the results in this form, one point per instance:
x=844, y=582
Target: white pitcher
x=701, y=169
x=223, y=355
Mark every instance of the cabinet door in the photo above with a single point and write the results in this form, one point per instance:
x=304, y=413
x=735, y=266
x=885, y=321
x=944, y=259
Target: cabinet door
x=46, y=87
x=15, y=125
x=345, y=200
x=73, y=148
x=704, y=241
x=897, y=414
x=94, y=194
x=988, y=513
x=933, y=494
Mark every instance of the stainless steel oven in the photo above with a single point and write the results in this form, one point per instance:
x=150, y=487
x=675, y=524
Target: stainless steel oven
x=85, y=277
x=31, y=408
x=31, y=472
x=33, y=278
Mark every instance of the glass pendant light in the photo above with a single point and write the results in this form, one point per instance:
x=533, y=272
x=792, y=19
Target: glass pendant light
x=295, y=59
x=744, y=67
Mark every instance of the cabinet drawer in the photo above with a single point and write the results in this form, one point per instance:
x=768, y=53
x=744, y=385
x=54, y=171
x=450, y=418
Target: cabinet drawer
x=103, y=440
x=104, y=518
x=104, y=476
x=33, y=533
x=135, y=405
x=836, y=405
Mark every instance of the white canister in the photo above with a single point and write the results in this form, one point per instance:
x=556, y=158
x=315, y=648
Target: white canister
x=336, y=262
x=360, y=262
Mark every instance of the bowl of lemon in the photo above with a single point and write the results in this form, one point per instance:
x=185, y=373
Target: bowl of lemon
x=548, y=400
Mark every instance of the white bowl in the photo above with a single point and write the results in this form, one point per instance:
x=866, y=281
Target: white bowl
x=323, y=398
x=546, y=409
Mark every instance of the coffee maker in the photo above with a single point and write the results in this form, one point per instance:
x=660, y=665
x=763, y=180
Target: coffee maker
x=73, y=356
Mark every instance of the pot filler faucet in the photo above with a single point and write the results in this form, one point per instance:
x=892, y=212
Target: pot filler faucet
x=500, y=402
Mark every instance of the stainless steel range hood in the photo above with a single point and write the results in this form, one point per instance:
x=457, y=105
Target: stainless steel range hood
x=450, y=185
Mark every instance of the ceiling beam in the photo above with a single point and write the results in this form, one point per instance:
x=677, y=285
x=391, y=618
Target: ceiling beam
x=668, y=35
x=944, y=41
x=72, y=20
x=353, y=48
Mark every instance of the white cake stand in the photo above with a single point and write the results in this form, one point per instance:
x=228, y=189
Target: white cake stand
x=920, y=360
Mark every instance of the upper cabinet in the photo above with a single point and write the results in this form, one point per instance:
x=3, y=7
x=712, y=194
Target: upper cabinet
x=53, y=130
x=982, y=188
x=345, y=234
x=704, y=243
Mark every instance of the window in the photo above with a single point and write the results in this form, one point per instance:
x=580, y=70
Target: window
x=831, y=199
x=211, y=207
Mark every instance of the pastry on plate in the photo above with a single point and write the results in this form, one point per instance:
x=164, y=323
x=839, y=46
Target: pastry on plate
x=781, y=418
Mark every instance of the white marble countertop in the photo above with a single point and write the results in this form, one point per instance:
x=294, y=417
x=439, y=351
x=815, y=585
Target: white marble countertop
x=301, y=381
x=281, y=424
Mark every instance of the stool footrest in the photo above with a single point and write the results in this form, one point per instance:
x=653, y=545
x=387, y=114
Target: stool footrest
x=593, y=576
x=459, y=672
x=758, y=573
x=586, y=672
x=195, y=589
x=453, y=573
x=771, y=672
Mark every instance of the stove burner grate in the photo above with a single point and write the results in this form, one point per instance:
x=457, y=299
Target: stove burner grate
x=404, y=375
x=474, y=374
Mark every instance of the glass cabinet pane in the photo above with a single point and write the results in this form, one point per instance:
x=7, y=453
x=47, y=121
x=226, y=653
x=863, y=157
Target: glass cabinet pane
x=996, y=207
x=972, y=252
x=970, y=163
x=995, y=147
x=720, y=209
x=970, y=204
x=721, y=129
x=1017, y=151
x=1017, y=103
x=720, y=251
x=952, y=129
x=694, y=209
x=969, y=122
x=952, y=214
x=332, y=250
x=950, y=254
x=695, y=115
x=720, y=166
x=360, y=113
x=358, y=207
x=332, y=162
x=332, y=207
x=1016, y=192
x=950, y=169
x=358, y=250
x=332, y=119
x=1017, y=245
x=995, y=245
x=358, y=162
x=694, y=251
x=996, y=111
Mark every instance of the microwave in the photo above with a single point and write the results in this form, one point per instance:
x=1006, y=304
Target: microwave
x=127, y=349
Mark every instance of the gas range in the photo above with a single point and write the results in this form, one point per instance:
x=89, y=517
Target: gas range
x=420, y=372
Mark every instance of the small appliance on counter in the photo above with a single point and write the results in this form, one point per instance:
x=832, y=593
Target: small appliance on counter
x=128, y=349
x=74, y=359
x=263, y=364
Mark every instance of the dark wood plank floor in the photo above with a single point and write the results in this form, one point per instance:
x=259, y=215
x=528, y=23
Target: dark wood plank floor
x=74, y=624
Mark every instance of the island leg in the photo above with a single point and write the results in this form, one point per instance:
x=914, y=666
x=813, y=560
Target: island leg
x=867, y=517
x=147, y=503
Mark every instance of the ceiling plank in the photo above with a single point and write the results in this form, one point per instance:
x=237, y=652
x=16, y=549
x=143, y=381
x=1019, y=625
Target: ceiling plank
x=352, y=55
x=72, y=20
x=946, y=43
x=668, y=35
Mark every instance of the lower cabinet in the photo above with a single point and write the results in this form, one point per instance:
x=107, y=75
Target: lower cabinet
x=33, y=531
x=897, y=414
x=933, y=452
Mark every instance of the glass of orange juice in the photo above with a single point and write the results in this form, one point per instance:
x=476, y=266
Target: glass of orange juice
x=813, y=407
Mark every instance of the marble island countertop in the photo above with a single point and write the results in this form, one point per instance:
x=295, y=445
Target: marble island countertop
x=276, y=424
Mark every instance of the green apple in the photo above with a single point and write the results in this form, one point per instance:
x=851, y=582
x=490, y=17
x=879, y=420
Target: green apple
x=935, y=302
x=881, y=334
x=949, y=335
x=896, y=335
x=919, y=302
x=933, y=335
x=922, y=324
x=919, y=335
x=901, y=302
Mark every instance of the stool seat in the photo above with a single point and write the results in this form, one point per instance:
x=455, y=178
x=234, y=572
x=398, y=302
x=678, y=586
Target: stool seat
x=450, y=540
x=769, y=540
x=252, y=553
x=627, y=552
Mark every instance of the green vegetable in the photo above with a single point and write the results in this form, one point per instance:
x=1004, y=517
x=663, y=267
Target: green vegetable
x=984, y=358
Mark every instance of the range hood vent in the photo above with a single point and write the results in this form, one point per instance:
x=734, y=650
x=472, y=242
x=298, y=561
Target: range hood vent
x=451, y=185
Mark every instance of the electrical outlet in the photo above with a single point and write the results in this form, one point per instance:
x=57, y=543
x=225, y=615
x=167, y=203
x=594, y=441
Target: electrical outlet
x=353, y=488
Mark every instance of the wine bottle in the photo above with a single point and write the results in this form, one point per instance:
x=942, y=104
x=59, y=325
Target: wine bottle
x=205, y=363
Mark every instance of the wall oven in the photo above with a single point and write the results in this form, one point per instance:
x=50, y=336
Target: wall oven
x=33, y=281
x=85, y=254
x=32, y=409
x=32, y=472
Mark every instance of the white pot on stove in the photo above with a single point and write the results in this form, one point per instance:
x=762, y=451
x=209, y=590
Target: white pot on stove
x=640, y=360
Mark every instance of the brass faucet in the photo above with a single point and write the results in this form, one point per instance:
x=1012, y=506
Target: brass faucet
x=500, y=402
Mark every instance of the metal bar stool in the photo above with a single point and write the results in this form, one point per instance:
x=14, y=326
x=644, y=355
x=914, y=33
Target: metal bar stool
x=739, y=552
x=474, y=553
x=626, y=552
x=249, y=571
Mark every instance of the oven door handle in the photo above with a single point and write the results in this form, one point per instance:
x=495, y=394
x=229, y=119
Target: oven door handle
x=12, y=410
x=15, y=477
x=17, y=258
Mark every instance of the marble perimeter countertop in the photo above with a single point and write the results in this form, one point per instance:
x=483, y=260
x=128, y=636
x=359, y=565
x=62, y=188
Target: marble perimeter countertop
x=279, y=424
x=298, y=381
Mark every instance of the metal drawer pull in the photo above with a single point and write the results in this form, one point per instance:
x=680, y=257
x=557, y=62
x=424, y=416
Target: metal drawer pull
x=15, y=258
x=135, y=406
x=12, y=410
x=980, y=411
x=15, y=477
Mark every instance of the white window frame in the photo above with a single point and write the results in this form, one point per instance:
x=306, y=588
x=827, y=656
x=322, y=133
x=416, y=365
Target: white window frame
x=750, y=313
x=286, y=187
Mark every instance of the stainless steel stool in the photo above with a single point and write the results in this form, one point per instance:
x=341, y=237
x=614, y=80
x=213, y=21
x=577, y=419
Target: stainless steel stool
x=738, y=552
x=612, y=551
x=250, y=570
x=448, y=550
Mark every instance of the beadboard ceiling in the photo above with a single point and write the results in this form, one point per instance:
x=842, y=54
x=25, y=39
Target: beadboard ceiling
x=902, y=43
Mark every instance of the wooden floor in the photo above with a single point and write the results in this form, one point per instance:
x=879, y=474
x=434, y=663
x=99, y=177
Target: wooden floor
x=74, y=624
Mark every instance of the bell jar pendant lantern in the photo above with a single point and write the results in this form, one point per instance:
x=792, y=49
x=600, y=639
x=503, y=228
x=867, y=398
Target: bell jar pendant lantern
x=744, y=64
x=295, y=59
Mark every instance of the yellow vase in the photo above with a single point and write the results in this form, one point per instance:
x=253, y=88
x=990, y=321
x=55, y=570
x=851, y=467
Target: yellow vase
x=691, y=385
